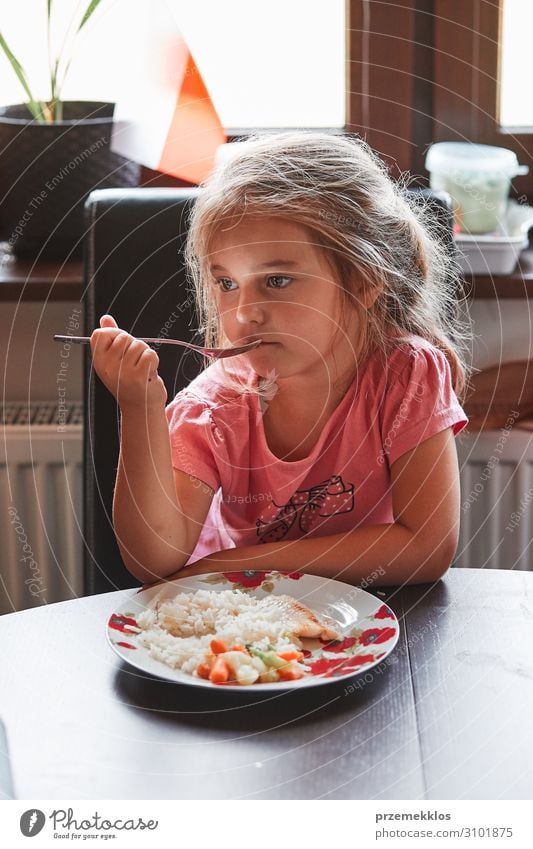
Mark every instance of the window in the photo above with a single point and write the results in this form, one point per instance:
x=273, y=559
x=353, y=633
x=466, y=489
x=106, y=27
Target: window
x=275, y=64
x=401, y=73
x=515, y=108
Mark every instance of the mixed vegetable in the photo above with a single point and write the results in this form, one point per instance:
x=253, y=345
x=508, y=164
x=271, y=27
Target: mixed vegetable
x=246, y=664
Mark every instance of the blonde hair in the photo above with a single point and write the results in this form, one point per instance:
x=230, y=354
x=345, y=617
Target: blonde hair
x=375, y=233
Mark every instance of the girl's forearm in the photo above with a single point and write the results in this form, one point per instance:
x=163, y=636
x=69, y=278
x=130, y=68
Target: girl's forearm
x=149, y=523
x=381, y=555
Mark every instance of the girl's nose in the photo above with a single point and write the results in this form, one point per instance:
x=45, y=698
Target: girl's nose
x=250, y=310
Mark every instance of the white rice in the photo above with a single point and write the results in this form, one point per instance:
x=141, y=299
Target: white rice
x=196, y=618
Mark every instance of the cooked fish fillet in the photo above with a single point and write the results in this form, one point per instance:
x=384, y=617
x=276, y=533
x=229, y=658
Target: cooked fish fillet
x=303, y=622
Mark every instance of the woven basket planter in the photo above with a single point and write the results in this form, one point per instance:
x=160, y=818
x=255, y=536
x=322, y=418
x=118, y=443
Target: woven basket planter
x=47, y=171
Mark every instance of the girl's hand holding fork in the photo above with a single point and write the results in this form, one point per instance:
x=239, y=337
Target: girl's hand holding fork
x=127, y=367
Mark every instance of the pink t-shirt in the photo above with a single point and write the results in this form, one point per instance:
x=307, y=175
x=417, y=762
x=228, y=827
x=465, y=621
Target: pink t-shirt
x=217, y=436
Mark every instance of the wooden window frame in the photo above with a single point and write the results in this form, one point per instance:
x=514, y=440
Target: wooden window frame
x=429, y=71
x=390, y=79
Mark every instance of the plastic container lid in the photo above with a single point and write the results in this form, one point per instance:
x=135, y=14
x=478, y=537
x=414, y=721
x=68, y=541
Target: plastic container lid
x=444, y=157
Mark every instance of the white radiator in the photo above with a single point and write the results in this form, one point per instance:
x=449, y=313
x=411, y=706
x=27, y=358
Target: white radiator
x=40, y=505
x=496, y=499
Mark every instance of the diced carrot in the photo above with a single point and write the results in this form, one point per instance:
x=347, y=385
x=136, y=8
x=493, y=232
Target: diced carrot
x=219, y=674
x=290, y=673
x=290, y=654
x=218, y=646
x=203, y=670
x=240, y=648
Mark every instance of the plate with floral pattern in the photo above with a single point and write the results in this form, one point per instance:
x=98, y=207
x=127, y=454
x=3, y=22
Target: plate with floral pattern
x=368, y=627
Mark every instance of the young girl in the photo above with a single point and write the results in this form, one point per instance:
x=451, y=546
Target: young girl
x=330, y=447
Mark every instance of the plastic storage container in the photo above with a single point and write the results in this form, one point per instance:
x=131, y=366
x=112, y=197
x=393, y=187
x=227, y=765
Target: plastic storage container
x=497, y=252
x=478, y=178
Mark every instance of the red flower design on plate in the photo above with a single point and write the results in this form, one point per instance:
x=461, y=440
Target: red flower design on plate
x=251, y=579
x=339, y=645
x=384, y=612
x=122, y=623
x=352, y=663
x=247, y=578
x=376, y=635
x=328, y=667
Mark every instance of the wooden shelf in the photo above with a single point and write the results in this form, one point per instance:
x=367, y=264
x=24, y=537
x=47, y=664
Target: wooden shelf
x=40, y=280
x=46, y=280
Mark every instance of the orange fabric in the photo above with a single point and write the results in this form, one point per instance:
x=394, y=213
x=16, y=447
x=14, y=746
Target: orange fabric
x=195, y=131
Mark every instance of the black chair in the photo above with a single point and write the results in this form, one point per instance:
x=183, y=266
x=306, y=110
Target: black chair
x=133, y=269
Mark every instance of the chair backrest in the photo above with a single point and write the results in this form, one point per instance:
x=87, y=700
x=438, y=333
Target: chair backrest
x=133, y=267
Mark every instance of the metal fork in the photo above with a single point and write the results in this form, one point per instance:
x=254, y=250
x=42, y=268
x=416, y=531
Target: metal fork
x=219, y=353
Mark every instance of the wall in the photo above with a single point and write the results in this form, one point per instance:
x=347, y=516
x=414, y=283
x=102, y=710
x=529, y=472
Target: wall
x=502, y=330
x=31, y=359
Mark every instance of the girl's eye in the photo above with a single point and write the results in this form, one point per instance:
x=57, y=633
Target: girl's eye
x=275, y=281
x=222, y=281
x=279, y=281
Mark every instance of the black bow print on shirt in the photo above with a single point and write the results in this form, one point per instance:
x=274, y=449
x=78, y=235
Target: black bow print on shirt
x=329, y=498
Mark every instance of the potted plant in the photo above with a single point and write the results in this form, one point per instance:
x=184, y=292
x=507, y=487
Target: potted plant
x=52, y=154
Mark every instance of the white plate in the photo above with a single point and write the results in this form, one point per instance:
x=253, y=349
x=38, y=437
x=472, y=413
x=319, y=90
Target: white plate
x=369, y=628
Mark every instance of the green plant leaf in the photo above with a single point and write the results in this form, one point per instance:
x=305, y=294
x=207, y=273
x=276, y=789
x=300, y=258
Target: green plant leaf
x=90, y=9
x=34, y=106
x=53, y=80
x=49, y=8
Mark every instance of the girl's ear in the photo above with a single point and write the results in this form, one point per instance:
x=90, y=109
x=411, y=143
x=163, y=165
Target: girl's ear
x=367, y=295
x=363, y=291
